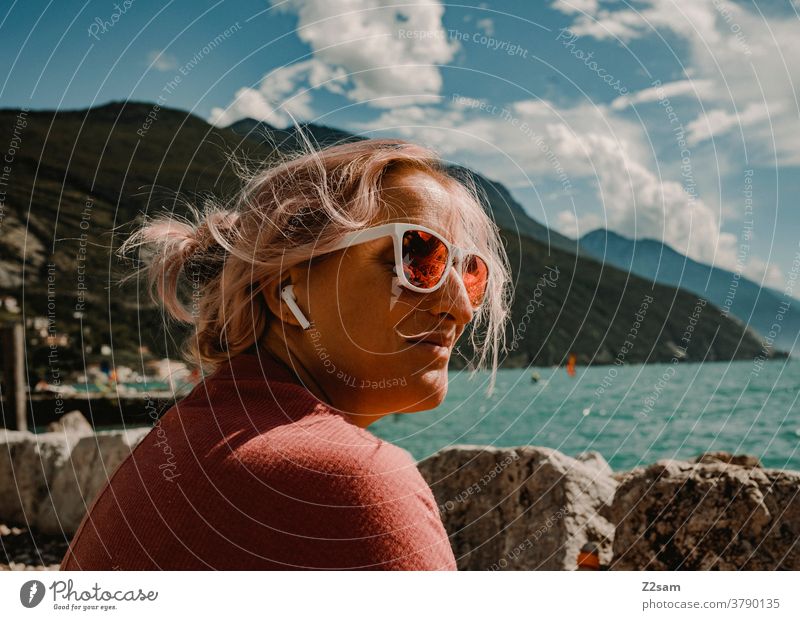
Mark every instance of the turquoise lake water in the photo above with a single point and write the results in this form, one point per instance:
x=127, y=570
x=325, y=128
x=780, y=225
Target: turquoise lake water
x=636, y=417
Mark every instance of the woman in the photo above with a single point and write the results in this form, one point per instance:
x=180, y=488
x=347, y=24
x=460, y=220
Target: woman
x=330, y=295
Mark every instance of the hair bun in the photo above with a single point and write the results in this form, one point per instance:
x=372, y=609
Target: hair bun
x=205, y=251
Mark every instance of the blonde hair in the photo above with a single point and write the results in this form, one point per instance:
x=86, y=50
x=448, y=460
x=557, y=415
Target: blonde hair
x=283, y=216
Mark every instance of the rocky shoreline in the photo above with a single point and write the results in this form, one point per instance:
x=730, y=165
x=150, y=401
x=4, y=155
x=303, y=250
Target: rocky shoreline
x=532, y=508
x=523, y=508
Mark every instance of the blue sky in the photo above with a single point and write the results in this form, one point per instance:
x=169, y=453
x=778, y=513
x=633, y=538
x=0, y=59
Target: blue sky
x=656, y=118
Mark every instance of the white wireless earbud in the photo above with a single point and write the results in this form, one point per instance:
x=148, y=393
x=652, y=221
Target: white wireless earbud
x=287, y=294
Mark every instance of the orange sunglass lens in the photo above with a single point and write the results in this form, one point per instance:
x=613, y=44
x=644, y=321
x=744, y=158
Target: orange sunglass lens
x=424, y=258
x=475, y=276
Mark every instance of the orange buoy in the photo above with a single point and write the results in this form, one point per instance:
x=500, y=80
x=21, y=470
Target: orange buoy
x=571, y=361
x=589, y=557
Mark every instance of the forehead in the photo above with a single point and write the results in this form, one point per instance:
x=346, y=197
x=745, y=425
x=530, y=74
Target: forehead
x=420, y=198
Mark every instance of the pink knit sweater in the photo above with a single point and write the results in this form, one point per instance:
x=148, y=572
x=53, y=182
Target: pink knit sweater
x=251, y=471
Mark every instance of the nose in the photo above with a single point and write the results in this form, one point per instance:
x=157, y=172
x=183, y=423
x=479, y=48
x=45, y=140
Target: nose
x=452, y=299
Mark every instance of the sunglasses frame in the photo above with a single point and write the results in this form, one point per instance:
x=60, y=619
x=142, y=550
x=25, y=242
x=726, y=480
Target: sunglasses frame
x=456, y=254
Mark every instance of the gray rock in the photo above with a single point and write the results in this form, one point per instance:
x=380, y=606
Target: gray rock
x=72, y=422
x=595, y=460
x=47, y=480
x=745, y=460
x=707, y=515
x=28, y=463
x=509, y=509
x=520, y=508
x=92, y=462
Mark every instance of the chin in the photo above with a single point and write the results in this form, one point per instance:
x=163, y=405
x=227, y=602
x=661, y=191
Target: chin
x=427, y=393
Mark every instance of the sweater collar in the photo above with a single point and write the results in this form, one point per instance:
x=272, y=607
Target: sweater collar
x=256, y=364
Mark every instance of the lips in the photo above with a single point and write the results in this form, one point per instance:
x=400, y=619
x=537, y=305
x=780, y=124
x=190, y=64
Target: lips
x=438, y=339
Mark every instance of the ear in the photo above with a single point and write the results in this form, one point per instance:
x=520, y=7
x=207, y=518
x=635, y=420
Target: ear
x=272, y=297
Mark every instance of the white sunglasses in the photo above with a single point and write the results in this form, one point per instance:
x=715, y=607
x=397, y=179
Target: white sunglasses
x=423, y=258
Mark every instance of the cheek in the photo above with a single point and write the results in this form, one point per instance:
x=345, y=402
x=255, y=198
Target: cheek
x=359, y=310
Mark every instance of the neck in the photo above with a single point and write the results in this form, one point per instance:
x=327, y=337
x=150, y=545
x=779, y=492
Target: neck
x=280, y=351
x=275, y=346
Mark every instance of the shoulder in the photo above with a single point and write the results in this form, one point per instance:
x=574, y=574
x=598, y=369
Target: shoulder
x=323, y=454
x=337, y=496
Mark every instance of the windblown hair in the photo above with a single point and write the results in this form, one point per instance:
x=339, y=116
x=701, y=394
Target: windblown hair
x=208, y=269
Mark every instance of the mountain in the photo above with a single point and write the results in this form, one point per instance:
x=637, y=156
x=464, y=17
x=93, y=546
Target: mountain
x=288, y=139
x=755, y=306
x=78, y=181
x=81, y=179
x=511, y=216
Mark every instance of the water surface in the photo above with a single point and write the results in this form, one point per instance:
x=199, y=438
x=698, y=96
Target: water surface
x=641, y=414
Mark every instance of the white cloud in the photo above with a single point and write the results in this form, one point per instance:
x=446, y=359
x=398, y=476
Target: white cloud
x=743, y=68
x=719, y=122
x=576, y=6
x=526, y=140
x=370, y=51
x=385, y=49
x=700, y=89
x=573, y=225
x=646, y=18
x=161, y=61
x=639, y=203
x=364, y=51
x=582, y=143
x=766, y=274
x=278, y=95
x=747, y=57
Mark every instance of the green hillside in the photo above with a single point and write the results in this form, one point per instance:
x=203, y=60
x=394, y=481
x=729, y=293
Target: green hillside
x=94, y=172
